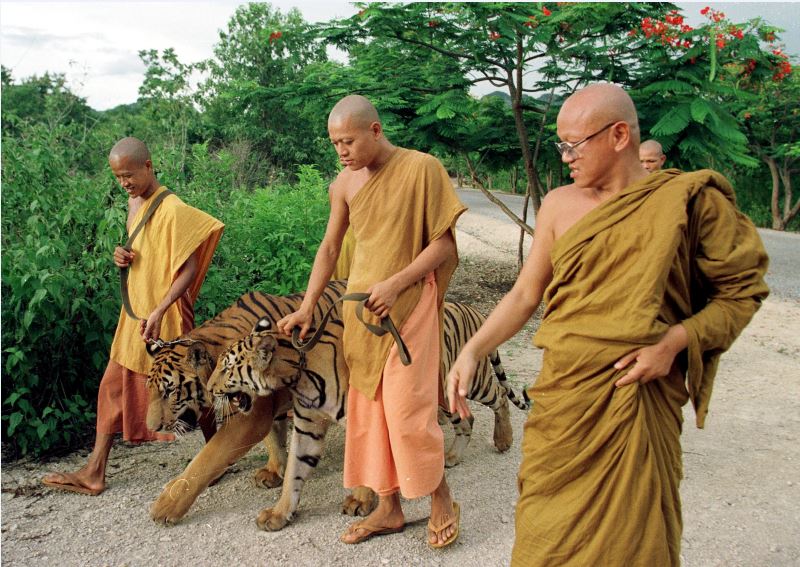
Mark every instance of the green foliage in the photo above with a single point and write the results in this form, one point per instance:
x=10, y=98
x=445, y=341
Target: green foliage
x=60, y=225
x=271, y=237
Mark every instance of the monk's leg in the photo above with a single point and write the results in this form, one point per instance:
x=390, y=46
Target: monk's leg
x=416, y=438
x=366, y=427
x=91, y=478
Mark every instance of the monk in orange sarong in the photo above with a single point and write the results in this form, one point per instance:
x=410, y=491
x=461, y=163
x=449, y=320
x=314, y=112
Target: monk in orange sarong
x=402, y=209
x=167, y=265
x=647, y=280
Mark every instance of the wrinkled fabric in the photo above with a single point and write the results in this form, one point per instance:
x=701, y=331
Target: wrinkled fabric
x=171, y=235
x=394, y=442
x=599, y=479
x=406, y=205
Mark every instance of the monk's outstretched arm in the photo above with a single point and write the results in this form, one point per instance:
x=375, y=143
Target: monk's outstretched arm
x=324, y=263
x=513, y=311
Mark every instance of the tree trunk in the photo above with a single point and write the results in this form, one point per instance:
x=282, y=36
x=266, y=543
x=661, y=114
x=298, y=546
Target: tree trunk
x=777, y=218
x=480, y=185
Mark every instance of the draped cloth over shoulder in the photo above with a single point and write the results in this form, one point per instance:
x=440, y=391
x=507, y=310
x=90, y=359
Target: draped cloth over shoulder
x=601, y=465
x=406, y=205
x=174, y=233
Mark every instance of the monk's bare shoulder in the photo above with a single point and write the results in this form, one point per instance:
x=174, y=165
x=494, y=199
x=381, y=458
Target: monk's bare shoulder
x=562, y=207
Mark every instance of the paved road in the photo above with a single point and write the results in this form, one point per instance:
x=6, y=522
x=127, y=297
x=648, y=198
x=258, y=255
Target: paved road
x=783, y=248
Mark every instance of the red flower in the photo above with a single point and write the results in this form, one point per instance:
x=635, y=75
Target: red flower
x=770, y=37
x=747, y=116
x=687, y=44
x=686, y=29
x=433, y=24
x=720, y=43
x=632, y=33
x=494, y=36
x=705, y=10
x=275, y=36
x=545, y=11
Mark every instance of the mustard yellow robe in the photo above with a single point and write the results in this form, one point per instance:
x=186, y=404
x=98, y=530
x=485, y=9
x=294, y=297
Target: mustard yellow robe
x=171, y=235
x=601, y=465
x=406, y=205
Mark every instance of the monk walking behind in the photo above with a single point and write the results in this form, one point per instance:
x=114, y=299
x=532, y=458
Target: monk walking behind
x=167, y=265
x=647, y=279
x=402, y=209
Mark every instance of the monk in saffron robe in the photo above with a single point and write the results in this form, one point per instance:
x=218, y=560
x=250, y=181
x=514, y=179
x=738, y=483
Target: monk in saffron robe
x=647, y=280
x=402, y=209
x=167, y=265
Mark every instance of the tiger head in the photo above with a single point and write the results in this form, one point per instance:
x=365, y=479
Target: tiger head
x=256, y=365
x=176, y=385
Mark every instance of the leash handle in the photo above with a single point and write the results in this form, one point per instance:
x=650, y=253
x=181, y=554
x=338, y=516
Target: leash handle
x=386, y=326
x=123, y=272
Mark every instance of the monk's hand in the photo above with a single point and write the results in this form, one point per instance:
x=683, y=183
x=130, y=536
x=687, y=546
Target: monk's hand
x=151, y=328
x=382, y=296
x=459, y=383
x=122, y=257
x=300, y=318
x=654, y=361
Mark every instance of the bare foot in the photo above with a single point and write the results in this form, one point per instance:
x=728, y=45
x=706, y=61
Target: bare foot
x=387, y=518
x=82, y=482
x=443, y=524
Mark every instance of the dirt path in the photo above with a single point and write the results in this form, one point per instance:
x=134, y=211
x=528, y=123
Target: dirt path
x=741, y=494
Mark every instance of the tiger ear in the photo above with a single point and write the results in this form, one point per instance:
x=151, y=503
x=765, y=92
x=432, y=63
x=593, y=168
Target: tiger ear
x=153, y=348
x=263, y=324
x=265, y=347
x=198, y=355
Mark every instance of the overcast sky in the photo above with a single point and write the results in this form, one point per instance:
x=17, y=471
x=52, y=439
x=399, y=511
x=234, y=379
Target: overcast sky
x=96, y=44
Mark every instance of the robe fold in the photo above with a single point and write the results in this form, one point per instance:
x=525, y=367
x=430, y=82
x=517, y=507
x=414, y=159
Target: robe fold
x=406, y=205
x=599, y=479
x=173, y=233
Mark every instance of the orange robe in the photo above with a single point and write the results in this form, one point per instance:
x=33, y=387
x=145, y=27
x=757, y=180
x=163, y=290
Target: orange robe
x=173, y=233
x=406, y=205
x=601, y=465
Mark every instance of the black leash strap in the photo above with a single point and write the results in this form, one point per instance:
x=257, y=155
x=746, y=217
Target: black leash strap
x=123, y=272
x=386, y=326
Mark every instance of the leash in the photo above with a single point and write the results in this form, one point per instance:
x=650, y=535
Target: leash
x=386, y=326
x=123, y=272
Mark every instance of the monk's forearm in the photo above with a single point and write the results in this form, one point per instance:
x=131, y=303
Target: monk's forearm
x=185, y=277
x=431, y=257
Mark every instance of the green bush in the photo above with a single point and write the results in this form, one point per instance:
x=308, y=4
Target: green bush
x=59, y=288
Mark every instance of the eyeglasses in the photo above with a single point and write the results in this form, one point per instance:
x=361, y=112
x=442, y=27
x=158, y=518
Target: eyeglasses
x=567, y=148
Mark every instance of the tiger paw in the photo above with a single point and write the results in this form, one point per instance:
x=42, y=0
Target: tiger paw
x=266, y=478
x=360, y=502
x=271, y=520
x=451, y=459
x=173, y=503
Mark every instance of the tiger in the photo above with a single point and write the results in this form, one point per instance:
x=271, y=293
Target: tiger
x=265, y=362
x=178, y=398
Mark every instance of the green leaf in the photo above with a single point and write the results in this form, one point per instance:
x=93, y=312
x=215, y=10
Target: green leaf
x=14, y=421
x=675, y=120
x=700, y=109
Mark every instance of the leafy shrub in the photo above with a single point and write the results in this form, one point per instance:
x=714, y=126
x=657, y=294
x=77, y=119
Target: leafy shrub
x=59, y=287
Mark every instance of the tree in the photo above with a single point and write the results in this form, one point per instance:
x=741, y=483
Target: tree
x=260, y=51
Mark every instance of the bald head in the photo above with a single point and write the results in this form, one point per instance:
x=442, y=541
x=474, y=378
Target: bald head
x=601, y=104
x=601, y=130
x=355, y=109
x=651, y=155
x=132, y=149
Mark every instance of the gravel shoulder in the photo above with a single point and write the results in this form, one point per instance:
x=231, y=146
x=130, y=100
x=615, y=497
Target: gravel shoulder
x=741, y=491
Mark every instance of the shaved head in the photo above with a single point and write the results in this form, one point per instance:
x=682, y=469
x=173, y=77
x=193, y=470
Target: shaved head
x=651, y=146
x=651, y=155
x=356, y=109
x=131, y=148
x=601, y=104
x=599, y=128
